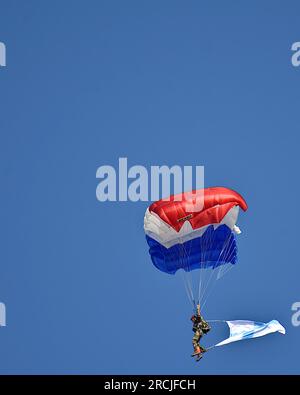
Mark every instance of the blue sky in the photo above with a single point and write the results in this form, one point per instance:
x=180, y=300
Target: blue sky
x=172, y=82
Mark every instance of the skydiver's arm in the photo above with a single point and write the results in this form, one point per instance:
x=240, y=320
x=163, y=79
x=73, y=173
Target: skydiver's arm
x=206, y=328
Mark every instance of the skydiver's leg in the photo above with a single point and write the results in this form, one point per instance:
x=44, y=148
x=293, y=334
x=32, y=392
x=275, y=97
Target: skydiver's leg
x=196, y=339
x=202, y=349
x=196, y=345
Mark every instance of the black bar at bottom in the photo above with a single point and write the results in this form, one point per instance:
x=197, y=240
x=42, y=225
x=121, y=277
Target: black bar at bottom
x=138, y=383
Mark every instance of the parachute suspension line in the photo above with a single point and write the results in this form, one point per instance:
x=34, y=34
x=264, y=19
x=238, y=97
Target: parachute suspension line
x=225, y=254
x=210, y=347
x=208, y=275
x=209, y=238
x=200, y=277
x=189, y=275
x=207, y=294
x=214, y=273
x=187, y=289
x=223, y=269
x=215, y=320
x=202, y=259
x=200, y=285
x=204, y=241
x=213, y=346
x=200, y=264
x=188, y=283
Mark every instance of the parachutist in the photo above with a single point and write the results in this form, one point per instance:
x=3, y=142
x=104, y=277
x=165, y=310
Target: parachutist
x=183, y=237
x=200, y=328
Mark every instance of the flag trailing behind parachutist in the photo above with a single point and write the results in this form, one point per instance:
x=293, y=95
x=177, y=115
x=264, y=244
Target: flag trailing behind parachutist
x=242, y=330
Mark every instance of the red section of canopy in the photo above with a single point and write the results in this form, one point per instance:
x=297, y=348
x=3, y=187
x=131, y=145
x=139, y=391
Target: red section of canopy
x=217, y=202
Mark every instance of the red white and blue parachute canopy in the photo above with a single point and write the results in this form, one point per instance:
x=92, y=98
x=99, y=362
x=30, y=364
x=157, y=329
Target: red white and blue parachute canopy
x=173, y=221
x=194, y=230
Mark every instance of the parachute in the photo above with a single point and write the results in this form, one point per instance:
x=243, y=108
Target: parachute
x=195, y=233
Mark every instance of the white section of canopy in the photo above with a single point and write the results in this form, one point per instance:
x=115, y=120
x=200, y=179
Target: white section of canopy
x=162, y=232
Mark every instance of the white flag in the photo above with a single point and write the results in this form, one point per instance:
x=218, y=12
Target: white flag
x=241, y=329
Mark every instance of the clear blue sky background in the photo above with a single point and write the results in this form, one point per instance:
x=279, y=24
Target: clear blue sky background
x=160, y=82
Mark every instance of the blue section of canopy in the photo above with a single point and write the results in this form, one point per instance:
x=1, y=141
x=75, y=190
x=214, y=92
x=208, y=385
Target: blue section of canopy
x=214, y=248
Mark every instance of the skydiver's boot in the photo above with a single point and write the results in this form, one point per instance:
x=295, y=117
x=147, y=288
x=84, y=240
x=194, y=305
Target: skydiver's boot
x=198, y=357
x=197, y=352
x=203, y=349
